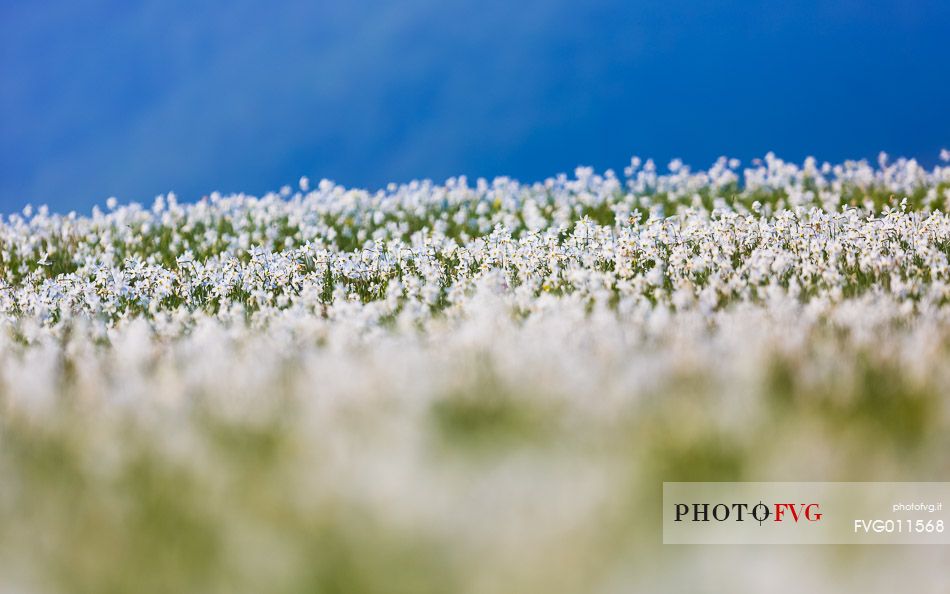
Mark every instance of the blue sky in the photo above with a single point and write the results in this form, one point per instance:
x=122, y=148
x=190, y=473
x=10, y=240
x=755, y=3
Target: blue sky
x=133, y=99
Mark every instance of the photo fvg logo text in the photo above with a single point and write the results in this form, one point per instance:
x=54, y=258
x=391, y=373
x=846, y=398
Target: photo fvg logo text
x=805, y=513
x=741, y=512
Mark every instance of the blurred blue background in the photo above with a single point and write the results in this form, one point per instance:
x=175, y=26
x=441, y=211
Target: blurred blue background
x=132, y=99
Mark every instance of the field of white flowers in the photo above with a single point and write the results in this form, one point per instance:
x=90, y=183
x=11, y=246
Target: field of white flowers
x=469, y=387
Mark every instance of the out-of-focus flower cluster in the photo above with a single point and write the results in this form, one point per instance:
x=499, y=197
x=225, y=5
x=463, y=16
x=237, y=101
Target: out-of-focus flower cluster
x=338, y=390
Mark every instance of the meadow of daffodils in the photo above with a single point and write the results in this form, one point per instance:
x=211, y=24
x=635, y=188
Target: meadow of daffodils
x=469, y=387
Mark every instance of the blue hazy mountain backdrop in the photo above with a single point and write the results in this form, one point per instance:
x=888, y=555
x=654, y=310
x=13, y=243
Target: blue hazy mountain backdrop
x=133, y=99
